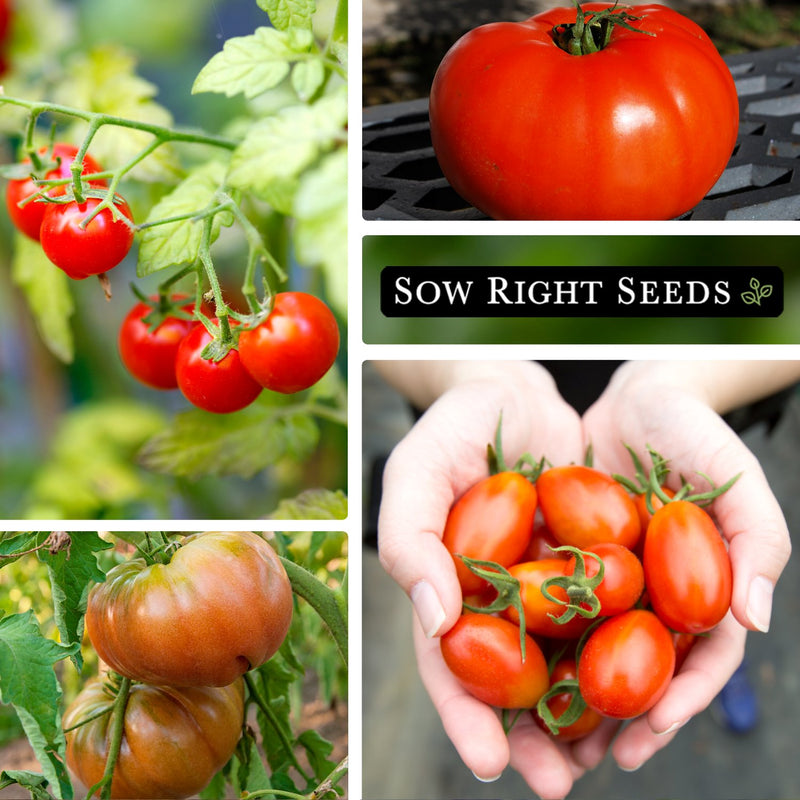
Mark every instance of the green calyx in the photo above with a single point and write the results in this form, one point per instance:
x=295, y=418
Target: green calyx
x=579, y=587
x=591, y=31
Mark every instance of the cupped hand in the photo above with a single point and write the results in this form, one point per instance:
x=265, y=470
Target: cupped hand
x=646, y=406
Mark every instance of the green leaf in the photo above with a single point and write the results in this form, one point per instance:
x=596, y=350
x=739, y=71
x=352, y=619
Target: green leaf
x=178, y=243
x=313, y=504
x=320, y=235
x=252, y=65
x=28, y=682
x=34, y=783
x=277, y=149
x=105, y=81
x=307, y=77
x=317, y=749
x=289, y=13
x=252, y=776
x=13, y=546
x=71, y=578
x=46, y=289
x=199, y=444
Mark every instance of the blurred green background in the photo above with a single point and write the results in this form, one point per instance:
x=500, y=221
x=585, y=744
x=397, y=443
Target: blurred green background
x=70, y=434
x=586, y=250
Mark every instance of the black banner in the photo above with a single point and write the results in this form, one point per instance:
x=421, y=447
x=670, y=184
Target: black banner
x=471, y=291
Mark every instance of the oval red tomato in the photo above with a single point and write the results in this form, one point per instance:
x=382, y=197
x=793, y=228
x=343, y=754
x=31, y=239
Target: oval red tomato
x=538, y=609
x=220, y=387
x=483, y=652
x=492, y=521
x=81, y=252
x=567, y=670
x=584, y=507
x=641, y=129
x=626, y=664
x=221, y=606
x=687, y=568
x=28, y=218
x=150, y=354
x=623, y=577
x=173, y=742
x=294, y=346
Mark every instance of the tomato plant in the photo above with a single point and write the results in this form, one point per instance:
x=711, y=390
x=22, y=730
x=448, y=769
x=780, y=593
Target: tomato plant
x=626, y=664
x=294, y=346
x=123, y=738
x=584, y=507
x=27, y=214
x=220, y=386
x=152, y=622
x=173, y=742
x=91, y=250
x=483, y=652
x=530, y=120
x=149, y=351
x=687, y=568
x=492, y=521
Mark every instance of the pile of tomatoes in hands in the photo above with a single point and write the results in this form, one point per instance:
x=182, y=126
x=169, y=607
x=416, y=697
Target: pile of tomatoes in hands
x=289, y=351
x=603, y=583
x=185, y=633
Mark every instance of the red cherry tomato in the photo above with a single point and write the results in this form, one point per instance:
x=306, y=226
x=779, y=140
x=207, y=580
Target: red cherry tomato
x=492, y=521
x=623, y=577
x=567, y=670
x=483, y=652
x=524, y=129
x=538, y=609
x=684, y=642
x=81, y=252
x=626, y=664
x=219, y=387
x=28, y=218
x=294, y=346
x=641, y=506
x=149, y=354
x=686, y=568
x=584, y=507
x=5, y=20
x=542, y=543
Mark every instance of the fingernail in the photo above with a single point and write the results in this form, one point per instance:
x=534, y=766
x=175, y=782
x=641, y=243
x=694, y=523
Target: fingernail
x=631, y=769
x=488, y=780
x=759, y=602
x=674, y=727
x=428, y=607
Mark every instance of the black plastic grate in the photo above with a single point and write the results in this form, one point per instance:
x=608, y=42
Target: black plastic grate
x=402, y=180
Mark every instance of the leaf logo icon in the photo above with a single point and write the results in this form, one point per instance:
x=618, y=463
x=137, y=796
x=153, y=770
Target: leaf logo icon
x=758, y=292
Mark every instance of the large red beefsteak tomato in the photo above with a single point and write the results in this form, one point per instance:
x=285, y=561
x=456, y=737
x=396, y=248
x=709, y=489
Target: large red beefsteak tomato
x=639, y=127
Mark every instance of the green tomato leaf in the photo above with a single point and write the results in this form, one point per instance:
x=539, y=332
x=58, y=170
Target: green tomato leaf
x=71, y=576
x=320, y=235
x=178, y=243
x=286, y=14
x=252, y=65
x=28, y=682
x=251, y=774
x=105, y=80
x=201, y=444
x=34, y=783
x=307, y=77
x=279, y=148
x=318, y=751
x=313, y=504
x=46, y=289
x=14, y=546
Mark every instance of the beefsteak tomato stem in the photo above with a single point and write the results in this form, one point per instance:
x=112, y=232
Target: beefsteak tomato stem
x=507, y=588
x=571, y=714
x=591, y=31
x=329, y=603
x=267, y=711
x=115, y=741
x=579, y=587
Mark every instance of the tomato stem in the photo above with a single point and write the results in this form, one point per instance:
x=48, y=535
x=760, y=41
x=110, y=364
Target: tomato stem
x=571, y=714
x=579, y=587
x=591, y=31
x=115, y=741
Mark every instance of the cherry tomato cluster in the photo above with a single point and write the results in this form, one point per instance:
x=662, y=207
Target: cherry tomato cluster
x=582, y=590
x=185, y=632
x=287, y=352
x=76, y=237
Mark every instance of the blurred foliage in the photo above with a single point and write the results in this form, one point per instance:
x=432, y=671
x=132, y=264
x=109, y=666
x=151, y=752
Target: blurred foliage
x=733, y=251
